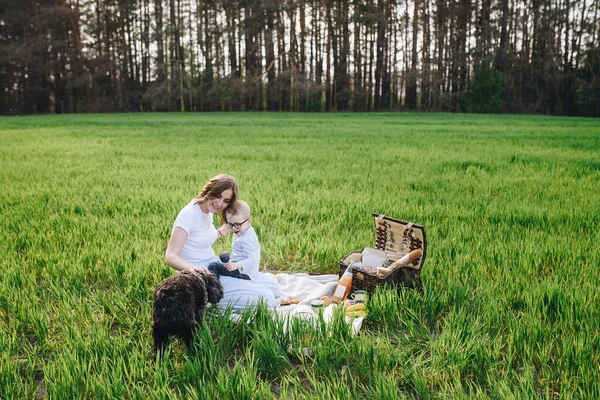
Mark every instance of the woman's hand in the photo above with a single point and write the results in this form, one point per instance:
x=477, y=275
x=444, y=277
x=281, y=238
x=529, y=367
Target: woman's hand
x=223, y=230
x=202, y=269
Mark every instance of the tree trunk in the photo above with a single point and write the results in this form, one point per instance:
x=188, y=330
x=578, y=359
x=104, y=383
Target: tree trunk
x=567, y=96
x=501, y=54
x=342, y=80
x=357, y=98
x=284, y=65
x=160, y=53
x=426, y=60
x=379, y=62
x=331, y=45
x=272, y=98
x=372, y=89
x=385, y=78
x=411, y=86
x=302, y=95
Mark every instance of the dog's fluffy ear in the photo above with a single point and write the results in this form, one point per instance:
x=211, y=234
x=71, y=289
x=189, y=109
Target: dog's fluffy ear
x=214, y=288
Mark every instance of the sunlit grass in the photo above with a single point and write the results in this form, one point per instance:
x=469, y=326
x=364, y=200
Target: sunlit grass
x=510, y=300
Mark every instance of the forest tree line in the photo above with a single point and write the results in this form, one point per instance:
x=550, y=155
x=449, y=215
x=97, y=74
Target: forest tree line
x=514, y=56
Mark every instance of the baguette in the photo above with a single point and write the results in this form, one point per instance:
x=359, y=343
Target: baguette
x=406, y=259
x=383, y=271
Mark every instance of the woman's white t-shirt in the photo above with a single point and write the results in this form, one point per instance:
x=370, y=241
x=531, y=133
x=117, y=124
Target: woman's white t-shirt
x=201, y=233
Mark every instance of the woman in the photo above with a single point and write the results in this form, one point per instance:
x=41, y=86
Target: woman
x=194, y=233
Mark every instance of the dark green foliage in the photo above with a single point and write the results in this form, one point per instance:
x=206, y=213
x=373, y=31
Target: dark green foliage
x=484, y=90
x=75, y=56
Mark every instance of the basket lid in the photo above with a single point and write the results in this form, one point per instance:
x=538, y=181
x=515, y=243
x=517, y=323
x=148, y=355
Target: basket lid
x=400, y=237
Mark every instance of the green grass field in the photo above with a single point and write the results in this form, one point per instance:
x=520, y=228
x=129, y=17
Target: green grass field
x=510, y=306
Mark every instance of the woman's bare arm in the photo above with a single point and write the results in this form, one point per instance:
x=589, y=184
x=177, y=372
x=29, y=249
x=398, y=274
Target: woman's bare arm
x=172, y=255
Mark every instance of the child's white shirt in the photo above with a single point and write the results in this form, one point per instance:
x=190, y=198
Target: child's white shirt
x=246, y=251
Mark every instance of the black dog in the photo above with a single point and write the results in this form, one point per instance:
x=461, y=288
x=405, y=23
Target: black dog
x=179, y=304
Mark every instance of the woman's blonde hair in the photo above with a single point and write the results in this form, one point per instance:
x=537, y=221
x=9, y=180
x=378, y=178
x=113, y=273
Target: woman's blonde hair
x=214, y=187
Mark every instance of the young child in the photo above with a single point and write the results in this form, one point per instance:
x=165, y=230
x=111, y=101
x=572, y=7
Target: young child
x=244, y=260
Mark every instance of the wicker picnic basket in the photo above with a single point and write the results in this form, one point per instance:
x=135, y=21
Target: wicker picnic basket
x=396, y=238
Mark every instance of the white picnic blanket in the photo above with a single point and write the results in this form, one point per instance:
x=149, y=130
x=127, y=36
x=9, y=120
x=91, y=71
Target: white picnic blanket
x=306, y=288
